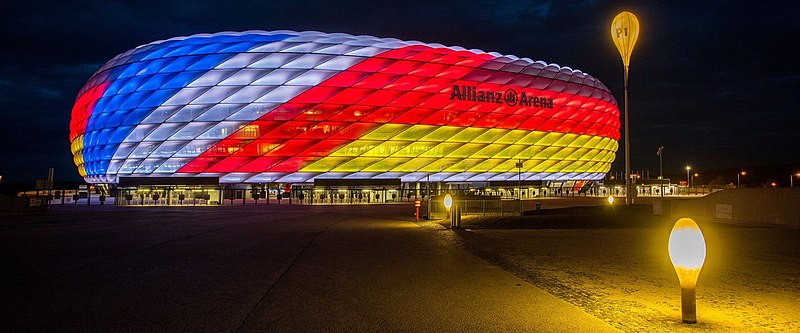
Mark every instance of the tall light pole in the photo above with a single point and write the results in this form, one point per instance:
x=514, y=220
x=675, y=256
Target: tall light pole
x=428, y=195
x=519, y=184
x=688, y=180
x=738, y=180
x=625, y=32
x=661, y=169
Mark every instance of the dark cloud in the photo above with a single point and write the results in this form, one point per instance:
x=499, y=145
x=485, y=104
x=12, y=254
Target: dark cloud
x=714, y=82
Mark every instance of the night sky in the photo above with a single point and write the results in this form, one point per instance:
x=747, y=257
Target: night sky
x=716, y=83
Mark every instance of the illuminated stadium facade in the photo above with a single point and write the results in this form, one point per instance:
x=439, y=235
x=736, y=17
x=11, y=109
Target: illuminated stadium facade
x=295, y=107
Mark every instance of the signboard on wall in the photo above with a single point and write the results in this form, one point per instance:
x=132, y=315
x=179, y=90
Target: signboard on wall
x=724, y=211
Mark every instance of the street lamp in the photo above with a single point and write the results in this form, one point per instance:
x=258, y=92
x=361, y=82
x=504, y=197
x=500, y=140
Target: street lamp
x=519, y=184
x=687, y=251
x=625, y=32
x=688, y=181
x=610, y=199
x=791, y=179
x=743, y=173
x=660, y=154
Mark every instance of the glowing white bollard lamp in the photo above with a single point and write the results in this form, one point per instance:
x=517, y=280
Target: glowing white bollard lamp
x=687, y=251
x=610, y=199
x=448, y=201
x=454, y=214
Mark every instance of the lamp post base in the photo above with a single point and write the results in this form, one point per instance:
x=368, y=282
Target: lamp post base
x=688, y=305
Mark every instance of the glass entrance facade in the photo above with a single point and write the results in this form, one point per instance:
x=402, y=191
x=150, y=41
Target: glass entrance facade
x=164, y=195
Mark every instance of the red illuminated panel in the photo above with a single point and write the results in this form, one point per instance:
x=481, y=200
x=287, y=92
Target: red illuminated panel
x=440, y=117
x=259, y=147
x=286, y=111
x=254, y=130
x=292, y=164
x=200, y=164
x=261, y=163
x=353, y=113
x=320, y=112
x=384, y=115
x=231, y=163
x=350, y=96
x=291, y=148
x=323, y=148
x=83, y=108
x=354, y=131
x=412, y=116
x=322, y=130
x=465, y=119
x=317, y=94
x=376, y=81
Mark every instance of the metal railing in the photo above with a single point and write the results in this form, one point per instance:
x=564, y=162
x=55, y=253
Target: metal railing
x=484, y=206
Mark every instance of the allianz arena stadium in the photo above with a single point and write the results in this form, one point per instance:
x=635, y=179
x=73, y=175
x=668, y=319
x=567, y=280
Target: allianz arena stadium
x=295, y=107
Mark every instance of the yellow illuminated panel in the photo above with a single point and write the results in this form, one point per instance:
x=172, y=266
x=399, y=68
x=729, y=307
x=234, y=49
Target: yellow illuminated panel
x=424, y=148
x=76, y=146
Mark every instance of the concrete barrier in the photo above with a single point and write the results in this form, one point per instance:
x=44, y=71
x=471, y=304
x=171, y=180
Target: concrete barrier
x=776, y=206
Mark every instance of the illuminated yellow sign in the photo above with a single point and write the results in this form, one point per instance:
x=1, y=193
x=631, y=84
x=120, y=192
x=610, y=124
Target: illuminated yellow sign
x=625, y=32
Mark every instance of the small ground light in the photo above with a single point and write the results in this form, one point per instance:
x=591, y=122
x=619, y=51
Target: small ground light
x=687, y=251
x=448, y=201
x=610, y=199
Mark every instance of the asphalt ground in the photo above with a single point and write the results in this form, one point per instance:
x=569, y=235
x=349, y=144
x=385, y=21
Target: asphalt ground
x=266, y=268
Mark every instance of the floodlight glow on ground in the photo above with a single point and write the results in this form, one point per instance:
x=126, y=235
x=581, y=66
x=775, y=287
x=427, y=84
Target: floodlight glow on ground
x=687, y=251
x=610, y=199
